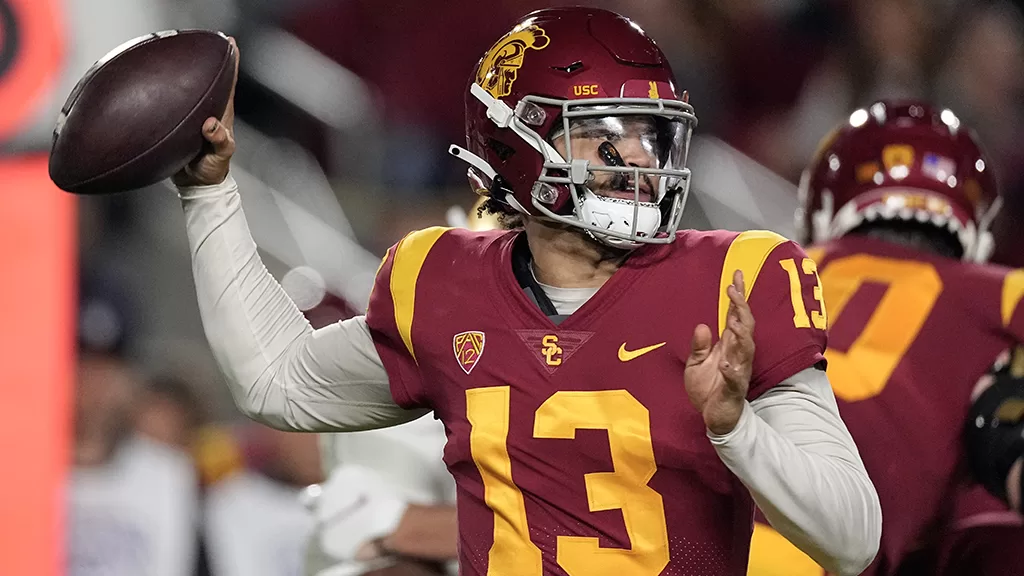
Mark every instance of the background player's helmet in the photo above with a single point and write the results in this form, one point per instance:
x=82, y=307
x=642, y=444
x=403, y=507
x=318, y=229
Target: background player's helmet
x=561, y=71
x=900, y=161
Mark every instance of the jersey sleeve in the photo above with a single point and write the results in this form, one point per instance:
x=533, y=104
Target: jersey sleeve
x=391, y=313
x=785, y=296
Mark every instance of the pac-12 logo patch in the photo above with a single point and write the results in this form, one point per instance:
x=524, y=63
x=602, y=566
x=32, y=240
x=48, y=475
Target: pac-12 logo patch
x=469, y=346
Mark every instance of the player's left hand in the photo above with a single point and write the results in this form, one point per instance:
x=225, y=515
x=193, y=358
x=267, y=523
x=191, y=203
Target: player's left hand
x=718, y=377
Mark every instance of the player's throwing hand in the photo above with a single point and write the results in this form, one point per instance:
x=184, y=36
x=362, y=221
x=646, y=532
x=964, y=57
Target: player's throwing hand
x=717, y=377
x=212, y=166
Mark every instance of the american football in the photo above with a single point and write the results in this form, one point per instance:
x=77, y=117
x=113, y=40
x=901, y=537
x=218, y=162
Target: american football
x=135, y=118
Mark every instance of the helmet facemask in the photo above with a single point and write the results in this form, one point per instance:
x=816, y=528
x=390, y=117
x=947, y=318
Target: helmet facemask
x=621, y=160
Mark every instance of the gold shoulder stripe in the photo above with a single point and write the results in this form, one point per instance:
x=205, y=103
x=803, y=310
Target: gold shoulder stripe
x=1013, y=291
x=747, y=254
x=410, y=254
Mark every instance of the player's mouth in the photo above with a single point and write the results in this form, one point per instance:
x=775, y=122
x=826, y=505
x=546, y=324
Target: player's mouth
x=627, y=192
x=644, y=196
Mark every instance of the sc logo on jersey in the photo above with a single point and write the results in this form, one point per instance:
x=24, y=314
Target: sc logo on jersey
x=551, y=350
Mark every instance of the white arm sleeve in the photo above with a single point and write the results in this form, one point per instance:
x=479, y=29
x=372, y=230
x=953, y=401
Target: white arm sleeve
x=281, y=372
x=793, y=452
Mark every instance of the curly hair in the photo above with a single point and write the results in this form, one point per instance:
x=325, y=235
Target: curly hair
x=508, y=217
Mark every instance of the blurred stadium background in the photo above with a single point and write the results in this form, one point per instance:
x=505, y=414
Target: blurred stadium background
x=345, y=108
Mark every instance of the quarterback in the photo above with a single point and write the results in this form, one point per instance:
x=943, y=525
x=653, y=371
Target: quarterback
x=897, y=203
x=609, y=406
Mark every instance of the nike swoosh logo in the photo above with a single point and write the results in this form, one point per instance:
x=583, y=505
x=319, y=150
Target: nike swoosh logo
x=627, y=355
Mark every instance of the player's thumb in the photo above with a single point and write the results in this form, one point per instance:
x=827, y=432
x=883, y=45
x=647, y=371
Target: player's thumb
x=700, y=346
x=217, y=134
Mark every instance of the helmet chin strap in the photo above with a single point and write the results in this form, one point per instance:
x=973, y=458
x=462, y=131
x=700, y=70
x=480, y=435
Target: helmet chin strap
x=473, y=160
x=485, y=169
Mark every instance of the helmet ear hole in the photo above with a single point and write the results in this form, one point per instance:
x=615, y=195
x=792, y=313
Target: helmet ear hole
x=502, y=150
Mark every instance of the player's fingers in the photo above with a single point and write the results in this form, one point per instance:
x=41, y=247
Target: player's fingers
x=736, y=374
x=229, y=113
x=228, y=118
x=739, y=307
x=738, y=282
x=238, y=55
x=739, y=344
x=740, y=332
x=738, y=337
x=700, y=346
x=736, y=360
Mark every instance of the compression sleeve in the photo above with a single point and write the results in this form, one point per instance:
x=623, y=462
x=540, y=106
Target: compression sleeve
x=281, y=372
x=793, y=452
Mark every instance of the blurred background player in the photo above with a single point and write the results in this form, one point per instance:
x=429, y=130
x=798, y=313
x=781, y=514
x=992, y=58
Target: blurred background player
x=133, y=503
x=981, y=537
x=387, y=507
x=169, y=412
x=405, y=523
x=897, y=203
x=255, y=523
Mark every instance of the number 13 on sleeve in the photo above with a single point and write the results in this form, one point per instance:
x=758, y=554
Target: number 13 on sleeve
x=819, y=317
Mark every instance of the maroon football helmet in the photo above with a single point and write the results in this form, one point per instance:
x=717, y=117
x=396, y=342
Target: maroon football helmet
x=585, y=73
x=900, y=161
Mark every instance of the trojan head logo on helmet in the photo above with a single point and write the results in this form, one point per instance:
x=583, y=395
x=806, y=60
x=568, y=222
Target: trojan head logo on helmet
x=573, y=117
x=900, y=161
x=497, y=70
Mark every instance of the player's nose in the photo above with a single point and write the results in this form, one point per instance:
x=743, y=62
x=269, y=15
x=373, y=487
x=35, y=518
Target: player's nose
x=634, y=154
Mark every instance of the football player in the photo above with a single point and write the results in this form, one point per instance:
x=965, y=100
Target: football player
x=982, y=537
x=897, y=203
x=609, y=408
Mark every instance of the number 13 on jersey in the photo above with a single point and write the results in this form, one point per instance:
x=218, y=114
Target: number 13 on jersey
x=625, y=487
x=800, y=318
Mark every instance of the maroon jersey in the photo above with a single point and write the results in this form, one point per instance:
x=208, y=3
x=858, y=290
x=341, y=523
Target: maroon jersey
x=574, y=447
x=910, y=336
